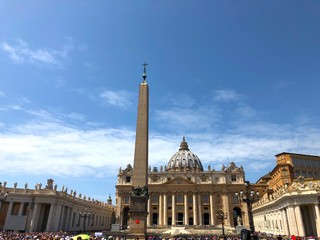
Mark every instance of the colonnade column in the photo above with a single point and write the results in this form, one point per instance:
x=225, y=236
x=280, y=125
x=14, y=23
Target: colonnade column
x=34, y=220
x=21, y=208
x=194, y=207
x=57, y=217
x=173, y=209
x=186, y=209
x=292, y=222
x=317, y=210
x=165, y=210
x=284, y=222
x=160, y=208
x=9, y=211
x=300, y=226
x=61, y=220
x=211, y=209
x=50, y=218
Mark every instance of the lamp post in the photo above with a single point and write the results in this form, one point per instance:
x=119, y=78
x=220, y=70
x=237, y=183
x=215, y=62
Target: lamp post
x=248, y=196
x=85, y=214
x=222, y=216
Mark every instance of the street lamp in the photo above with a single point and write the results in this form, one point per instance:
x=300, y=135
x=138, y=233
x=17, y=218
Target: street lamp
x=222, y=216
x=249, y=196
x=85, y=214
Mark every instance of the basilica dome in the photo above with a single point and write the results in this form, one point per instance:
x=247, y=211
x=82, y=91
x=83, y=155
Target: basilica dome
x=184, y=159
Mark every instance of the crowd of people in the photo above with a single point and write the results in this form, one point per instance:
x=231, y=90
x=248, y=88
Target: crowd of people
x=93, y=236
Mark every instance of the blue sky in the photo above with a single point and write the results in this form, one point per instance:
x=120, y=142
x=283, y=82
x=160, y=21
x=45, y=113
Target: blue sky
x=239, y=79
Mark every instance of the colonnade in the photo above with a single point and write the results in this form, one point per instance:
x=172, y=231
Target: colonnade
x=299, y=220
x=55, y=215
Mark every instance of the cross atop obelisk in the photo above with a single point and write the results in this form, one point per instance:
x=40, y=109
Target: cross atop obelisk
x=144, y=75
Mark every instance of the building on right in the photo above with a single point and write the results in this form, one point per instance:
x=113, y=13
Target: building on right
x=290, y=203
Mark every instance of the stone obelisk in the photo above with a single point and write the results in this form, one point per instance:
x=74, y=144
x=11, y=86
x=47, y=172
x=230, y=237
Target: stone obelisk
x=139, y=194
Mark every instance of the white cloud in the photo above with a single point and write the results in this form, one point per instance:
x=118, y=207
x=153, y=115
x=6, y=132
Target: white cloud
x=21, y=52
x=52, y=147
x=49, y=147
x=226, y=95
x=119, y=98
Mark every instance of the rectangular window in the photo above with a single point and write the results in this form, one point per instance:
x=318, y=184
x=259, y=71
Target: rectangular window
x=190, y=200
x=179, y=198
x=203, y=179
x=154, y=179
x=205, y=199
x=155, y=198
x=233, y=178
x=128, y=179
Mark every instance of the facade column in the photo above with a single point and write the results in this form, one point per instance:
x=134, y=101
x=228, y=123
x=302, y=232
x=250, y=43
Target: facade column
x=299, y=220
x=173, y=209
x=149, y=211
x=34, y=218
x=186, y=209
x=165, y=210
x=225, y=201
x=160, y=209
x=194, y=207
x=211, y=209
x=200, y=209
x=317, y=211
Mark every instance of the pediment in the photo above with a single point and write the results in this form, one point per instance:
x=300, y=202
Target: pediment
x=179, y=180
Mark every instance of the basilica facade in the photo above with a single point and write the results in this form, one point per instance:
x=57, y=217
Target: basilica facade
x=183, y=193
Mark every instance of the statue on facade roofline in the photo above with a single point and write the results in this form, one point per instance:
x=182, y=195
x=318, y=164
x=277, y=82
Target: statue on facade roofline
x=15, y=185
x=49, y=184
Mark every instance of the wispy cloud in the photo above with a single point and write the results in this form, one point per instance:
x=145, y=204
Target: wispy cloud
x=121, y=98
x=226, y=95
x=21, y=52
x=23, y=148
